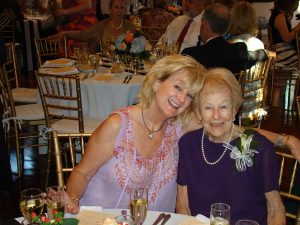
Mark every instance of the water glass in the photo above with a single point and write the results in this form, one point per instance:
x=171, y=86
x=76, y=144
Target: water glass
x=94, y=61
x=219, y=214
x=139, y=204
x=246, y=222
x=55, y=201
x=76, y=51
x=31, y=202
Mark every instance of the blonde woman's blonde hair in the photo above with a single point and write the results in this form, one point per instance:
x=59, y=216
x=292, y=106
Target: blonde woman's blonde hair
x=165, y=68
x=243, y=19
x=222, y=76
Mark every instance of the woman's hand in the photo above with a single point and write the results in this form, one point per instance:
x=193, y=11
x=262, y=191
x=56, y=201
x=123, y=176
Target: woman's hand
x=294, y=145
x=71, y=206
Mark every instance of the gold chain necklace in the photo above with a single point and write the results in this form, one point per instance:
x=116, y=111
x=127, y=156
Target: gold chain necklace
x=113, y=26
x=150, y=134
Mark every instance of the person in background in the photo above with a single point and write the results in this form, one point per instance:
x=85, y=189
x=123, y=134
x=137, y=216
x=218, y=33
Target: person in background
x=234, y=165
x=176, y=27
x=244, y=27
x=76, y=14
x=283, y=34
x=137, y=145
x=216, y=51
x=107, y=29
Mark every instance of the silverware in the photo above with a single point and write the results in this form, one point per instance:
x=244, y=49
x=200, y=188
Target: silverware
x=130, y=77
x=159, y=218
x=166, y=218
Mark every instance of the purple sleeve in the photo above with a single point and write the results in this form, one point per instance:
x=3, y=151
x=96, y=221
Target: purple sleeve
x=181, y=174
x=267, y=164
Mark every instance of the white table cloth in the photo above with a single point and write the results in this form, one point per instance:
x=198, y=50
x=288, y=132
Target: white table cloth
x=100, y=98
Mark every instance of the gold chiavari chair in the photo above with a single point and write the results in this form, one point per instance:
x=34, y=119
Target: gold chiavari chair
x=65, y=157
x=283, y=81
x=253, y=82
x=21, y=121
x=50, y=48
x=8, y=25
x=61, y=100
x=13, y=71
x=289, y=176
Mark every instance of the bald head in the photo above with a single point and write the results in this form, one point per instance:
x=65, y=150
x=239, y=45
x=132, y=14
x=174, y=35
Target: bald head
x=218, y=17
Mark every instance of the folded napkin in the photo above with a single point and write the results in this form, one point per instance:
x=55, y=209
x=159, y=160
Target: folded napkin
x=198, y=220
x=90, y=217
x=59, y=63
x=62, y=70
x=104, y=77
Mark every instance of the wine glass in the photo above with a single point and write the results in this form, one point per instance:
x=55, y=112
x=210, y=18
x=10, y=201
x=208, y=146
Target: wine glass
x=219, y=214
x=135, y=65
x=139, y=204
x=31, y=202
x=246, y=222
x=55, y=201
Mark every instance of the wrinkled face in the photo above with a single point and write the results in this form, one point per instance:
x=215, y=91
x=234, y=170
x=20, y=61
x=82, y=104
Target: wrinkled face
x=117, y=9
x=217, y=111
x=172, y=96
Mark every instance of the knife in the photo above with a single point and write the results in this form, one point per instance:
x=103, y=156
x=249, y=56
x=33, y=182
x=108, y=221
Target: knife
x=159, y=218
x=167, y=217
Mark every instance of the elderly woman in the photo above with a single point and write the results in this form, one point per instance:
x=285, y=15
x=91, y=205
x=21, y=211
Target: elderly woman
x=105, y=30
x=138, y=145
x=234, y=165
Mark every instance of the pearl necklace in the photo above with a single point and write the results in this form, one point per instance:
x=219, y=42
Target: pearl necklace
x=218, y=160
x=117, y=28
x=150, y=134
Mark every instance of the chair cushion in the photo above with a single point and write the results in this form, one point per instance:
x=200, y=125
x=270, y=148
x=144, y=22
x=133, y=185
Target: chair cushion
x=30, y=112
x=71, y=126
x=28, y=95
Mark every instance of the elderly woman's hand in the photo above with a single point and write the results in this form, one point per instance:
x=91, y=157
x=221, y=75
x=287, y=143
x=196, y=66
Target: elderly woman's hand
x=71, y=205
x=294, y=144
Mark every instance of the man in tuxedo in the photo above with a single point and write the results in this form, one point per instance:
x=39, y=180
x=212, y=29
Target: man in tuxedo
x=215, y=50
x=176, y=27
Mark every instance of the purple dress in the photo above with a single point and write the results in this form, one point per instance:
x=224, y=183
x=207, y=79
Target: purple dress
x=208, y=184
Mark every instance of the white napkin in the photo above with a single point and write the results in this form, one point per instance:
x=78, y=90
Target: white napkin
x=62, y=70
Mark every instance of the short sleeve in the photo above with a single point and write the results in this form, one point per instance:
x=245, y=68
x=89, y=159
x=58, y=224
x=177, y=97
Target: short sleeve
x=267, y=164
x=181, y=174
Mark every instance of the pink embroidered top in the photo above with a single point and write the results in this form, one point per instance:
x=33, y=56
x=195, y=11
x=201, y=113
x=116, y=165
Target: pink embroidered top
x=111, y=184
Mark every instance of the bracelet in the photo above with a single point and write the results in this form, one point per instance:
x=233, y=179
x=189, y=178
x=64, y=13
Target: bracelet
x=279, y=142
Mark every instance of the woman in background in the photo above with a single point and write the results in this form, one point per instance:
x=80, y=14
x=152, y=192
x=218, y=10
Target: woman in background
x=282, y=33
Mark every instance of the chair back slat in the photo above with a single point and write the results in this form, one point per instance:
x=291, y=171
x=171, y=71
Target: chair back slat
x=289, y=175
x=61, y=97
x=253, y=83
x=67, y=147
x=8, y=25
x=48, y=49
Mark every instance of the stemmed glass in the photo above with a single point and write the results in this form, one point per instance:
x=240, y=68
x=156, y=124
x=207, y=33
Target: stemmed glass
x=246, y=222
x=55, y=201
x=139, y=204
x=31, y=201
x=135, y=65
x=219, y=214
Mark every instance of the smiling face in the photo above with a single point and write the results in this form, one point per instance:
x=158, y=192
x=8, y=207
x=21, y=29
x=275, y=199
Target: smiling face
x=217, y=111
x=172, y=96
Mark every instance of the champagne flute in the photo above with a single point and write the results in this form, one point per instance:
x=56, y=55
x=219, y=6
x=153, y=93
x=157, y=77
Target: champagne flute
x=139, y=204
x=135, y=65
x=219, y=214
x=55, y=201
x=31, y=202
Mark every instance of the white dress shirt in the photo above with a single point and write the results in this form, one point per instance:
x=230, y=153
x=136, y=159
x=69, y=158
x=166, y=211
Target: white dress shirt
x=175, y=27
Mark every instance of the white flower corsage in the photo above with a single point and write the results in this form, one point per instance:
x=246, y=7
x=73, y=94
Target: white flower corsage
x=243, y=156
